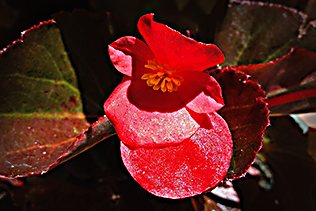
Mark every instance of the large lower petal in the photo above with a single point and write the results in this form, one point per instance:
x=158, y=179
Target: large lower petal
x=190, y=168
x=177, y=50
x=139, y=128
x=129, y=55
x=200, y=92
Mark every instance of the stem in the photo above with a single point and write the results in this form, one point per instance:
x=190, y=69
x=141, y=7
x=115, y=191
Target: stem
x=194, y=204
x=291, y=97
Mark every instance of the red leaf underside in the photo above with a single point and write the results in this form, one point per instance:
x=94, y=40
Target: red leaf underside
x=30, y=146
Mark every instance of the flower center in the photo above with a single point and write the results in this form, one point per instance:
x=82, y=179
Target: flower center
x=162, y=78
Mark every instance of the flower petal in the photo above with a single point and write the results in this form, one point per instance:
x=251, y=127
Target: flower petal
x=190, y=168
x=129, y=55
x=200, y=92
x=177, y=50
x=146, y=98
x=139, y=128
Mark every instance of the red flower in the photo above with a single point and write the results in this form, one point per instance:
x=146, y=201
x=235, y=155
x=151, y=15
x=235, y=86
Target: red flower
x=165, y=96
x=196, y=165
x=173, y=142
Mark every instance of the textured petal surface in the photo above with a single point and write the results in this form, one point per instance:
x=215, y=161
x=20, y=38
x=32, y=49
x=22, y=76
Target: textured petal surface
x=136, y=127
x=177, y=50
x=190, y=168
x=129, y=55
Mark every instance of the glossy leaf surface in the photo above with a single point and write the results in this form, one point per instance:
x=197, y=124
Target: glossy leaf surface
x=246, y=114
x=96, y=133
x=289, y=81
x=286, y=150
x=248, y=35
x=41, y=110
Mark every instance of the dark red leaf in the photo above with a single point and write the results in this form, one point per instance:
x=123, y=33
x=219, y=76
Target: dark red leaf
x=246, y=114
x=308, y=36
x=289, y=81
x=255, y=32
x=211, y=205
x=286, y=151
x=284, y=73
x=96, y=133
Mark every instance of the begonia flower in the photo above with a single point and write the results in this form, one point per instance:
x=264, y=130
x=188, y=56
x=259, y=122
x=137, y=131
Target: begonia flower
x=165, y=95
x=196, y=165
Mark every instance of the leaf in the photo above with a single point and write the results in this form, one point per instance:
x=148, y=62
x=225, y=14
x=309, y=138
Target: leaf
x=255, y=32
x=286, y=152
x=211, y=205
x=97, y=132
x=305, y=121
x=246, y=114
x=41, y=110
x=289, y=81
x=226, y=192
x=284, y=73
x=308, y=36
x=86, y=36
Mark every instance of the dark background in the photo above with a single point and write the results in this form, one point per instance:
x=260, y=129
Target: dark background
x=97, y=179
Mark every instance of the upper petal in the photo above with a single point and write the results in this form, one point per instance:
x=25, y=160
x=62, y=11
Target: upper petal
x=200, y=92
x=177, y=50
x=196, y=165
x=129, y=55
x=139, y=128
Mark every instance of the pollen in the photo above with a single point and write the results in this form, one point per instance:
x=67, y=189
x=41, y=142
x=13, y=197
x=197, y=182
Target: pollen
x=162, y=77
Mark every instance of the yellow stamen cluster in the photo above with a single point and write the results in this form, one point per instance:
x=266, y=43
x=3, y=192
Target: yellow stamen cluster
x=162, y=78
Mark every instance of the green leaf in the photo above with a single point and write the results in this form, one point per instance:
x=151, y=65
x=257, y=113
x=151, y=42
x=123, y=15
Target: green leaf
x=254, y=32
x=41, y=109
